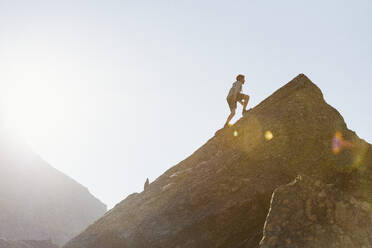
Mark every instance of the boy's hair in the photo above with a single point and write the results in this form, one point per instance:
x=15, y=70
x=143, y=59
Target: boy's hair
x=240, y=76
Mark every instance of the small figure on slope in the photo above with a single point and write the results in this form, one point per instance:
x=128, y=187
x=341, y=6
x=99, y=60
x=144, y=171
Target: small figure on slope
x=235, y=96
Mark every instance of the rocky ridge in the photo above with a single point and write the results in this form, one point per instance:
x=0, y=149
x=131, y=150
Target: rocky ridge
x=220, y=196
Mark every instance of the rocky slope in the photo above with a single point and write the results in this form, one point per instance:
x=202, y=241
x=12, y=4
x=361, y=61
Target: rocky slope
x=37, y=202
x=27, y=244
x=220, y=195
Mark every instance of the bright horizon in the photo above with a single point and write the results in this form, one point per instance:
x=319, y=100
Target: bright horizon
x=112, y=93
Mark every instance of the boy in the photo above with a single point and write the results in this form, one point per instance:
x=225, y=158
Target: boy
x=235, y=96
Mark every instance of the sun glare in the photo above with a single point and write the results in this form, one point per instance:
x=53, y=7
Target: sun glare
x=25, y=112
x=31, y=106
x=269, y=135
x=339, y=143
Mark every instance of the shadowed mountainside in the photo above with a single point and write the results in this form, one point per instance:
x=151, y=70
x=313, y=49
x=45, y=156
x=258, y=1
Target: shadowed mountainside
x=220, y=195
x=37, y=202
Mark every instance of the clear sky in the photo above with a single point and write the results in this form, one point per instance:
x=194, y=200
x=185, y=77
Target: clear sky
x=111, y=92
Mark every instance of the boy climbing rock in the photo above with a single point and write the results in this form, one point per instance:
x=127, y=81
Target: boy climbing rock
x=235, y=96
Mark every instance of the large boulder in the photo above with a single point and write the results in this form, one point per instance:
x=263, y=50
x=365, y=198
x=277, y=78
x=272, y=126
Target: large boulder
x=309, y=213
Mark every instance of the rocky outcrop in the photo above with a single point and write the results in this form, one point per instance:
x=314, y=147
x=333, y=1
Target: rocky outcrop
x=27, y=244
x=37, y=202
x=220, y=195
x=308, y=213
x=147, y=183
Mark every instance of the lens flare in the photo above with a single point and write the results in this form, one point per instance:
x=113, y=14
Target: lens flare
x=269, y=135
x=338, y=143
x=235, y=133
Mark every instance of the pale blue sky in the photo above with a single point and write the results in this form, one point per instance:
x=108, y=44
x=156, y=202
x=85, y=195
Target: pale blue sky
x=111, y=92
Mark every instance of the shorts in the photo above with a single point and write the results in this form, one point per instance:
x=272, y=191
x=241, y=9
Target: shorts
x=232, y=103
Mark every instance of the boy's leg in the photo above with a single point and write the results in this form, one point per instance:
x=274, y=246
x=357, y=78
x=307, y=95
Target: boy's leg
x=246, y=99
x=243, y=100
x=229, y=118
x=232, y=106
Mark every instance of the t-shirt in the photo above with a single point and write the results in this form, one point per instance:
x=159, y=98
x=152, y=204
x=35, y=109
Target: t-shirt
x=235, y=89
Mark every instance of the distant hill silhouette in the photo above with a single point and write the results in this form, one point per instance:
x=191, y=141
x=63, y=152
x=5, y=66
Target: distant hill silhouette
x=37, y=202
x=293, y=144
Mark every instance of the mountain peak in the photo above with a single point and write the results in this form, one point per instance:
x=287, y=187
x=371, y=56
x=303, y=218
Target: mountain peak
x=220, y=195
x=300, y=84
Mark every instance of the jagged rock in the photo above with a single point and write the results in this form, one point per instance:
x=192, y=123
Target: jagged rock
x=38, y=202
x=146, y=184
x=308, y=213
x=220, y=195
x=27, y=244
